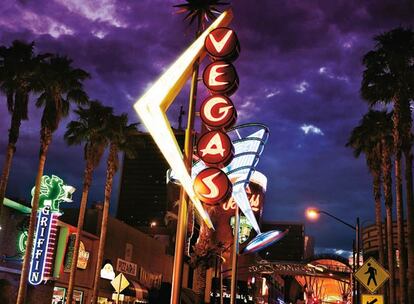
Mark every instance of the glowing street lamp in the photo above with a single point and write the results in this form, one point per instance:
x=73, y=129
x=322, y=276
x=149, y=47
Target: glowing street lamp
x=314, y=213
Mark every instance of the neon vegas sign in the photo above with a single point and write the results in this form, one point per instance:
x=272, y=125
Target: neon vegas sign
x=215, y=149
x=152, y=107
x=247, y=151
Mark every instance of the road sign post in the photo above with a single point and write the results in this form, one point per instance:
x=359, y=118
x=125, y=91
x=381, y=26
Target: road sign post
x=119, y=284
x=372, y=299
x=372, y=275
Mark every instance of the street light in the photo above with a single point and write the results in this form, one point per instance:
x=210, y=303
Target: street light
x=314, y=213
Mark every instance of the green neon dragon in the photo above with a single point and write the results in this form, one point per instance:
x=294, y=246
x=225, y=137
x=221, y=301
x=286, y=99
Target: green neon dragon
x=53, y=191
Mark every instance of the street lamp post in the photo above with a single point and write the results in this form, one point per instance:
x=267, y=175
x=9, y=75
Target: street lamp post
x=313, y=214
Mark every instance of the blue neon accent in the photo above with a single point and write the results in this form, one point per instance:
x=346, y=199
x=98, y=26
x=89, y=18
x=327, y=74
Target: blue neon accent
x=37, y=264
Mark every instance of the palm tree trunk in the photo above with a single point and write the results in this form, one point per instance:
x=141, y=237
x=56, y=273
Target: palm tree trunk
x=11, y=148
x=400, y=232
x=397, y=134
x=410, y=223
x=108, y=189
x=387, y=187
x=390, y=254
x=200, y=288
x=378, y=216
x=45, y=142
x=87, y=179
x=5, y=175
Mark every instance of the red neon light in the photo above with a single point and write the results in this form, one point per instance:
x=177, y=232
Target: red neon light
x=212, y=186
x=222, y=44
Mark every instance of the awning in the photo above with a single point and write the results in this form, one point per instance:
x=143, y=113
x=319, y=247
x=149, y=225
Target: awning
x=188, y=296
x=137, y=291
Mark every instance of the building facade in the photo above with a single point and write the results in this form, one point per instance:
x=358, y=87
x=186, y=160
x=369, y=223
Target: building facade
x=142, y=259
x=143, y=186
x=371, y=249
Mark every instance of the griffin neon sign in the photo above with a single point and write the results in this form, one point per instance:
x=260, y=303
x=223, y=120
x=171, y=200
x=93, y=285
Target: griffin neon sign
x=53, y=191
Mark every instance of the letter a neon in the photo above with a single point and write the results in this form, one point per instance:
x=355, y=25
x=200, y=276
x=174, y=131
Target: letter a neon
x=214, y=146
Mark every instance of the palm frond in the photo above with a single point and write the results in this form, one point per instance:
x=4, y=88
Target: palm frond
x=204, y=11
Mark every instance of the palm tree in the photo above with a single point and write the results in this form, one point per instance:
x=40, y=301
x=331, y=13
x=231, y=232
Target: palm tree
x=366, y=138
x=385, y=127
x=203, y=11
x=205, y=252
x=119, y=134
x=89, y=128
x=389, y=78
x=18, y=66
x=59, y=84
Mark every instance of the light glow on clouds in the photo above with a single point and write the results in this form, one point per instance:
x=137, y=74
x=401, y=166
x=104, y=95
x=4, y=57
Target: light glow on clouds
x=341, y=252
x=302, y=87
x=325, y=71
x=95, y=10
x=311, y=129
x=39, y=25
x=99, y=34
x=270, y=94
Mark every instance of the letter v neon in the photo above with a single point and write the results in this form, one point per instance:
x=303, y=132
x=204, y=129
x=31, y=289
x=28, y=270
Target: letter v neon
x=219, y=45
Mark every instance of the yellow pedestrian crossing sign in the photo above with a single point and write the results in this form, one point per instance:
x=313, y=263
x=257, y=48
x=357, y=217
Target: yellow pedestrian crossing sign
x=120, y=283
x=372, y=275
x=372, y=299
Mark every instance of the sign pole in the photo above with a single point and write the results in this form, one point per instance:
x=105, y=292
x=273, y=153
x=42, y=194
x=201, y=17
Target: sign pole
x=221, y=280
x=354, y=269
x=233, y=292
x=183, y=207
x=119, y=291
x=358, y=249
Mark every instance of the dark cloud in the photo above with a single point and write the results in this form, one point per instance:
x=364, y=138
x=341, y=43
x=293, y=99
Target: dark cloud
x=300, y=64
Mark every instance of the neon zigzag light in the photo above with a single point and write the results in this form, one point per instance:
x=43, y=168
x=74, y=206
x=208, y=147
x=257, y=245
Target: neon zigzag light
x=247, y=152
x=152, y=107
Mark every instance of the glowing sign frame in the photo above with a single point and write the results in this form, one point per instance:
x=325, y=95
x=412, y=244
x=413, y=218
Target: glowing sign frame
x=152, y=107
x=264, y=240
x=53, y=191
x=247, y=153
x=107, y=272
x=244, y=229
x=21, y=241
x=41, y=243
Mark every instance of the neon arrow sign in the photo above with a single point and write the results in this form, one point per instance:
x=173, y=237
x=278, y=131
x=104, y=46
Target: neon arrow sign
x=152, y=107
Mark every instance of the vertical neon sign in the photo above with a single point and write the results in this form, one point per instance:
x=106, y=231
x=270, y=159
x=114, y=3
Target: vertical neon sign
x=215, y=149
x=37, y=267
x=52, y=192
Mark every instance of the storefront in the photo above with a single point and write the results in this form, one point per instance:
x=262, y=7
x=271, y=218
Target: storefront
x=85, y=265
x=139, y=257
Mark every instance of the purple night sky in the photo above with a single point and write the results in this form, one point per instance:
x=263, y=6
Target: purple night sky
x=300, y=70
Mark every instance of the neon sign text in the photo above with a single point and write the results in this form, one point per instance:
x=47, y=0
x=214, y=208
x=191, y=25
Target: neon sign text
x=254, y=203
x=37, y=266
x=53, y=191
